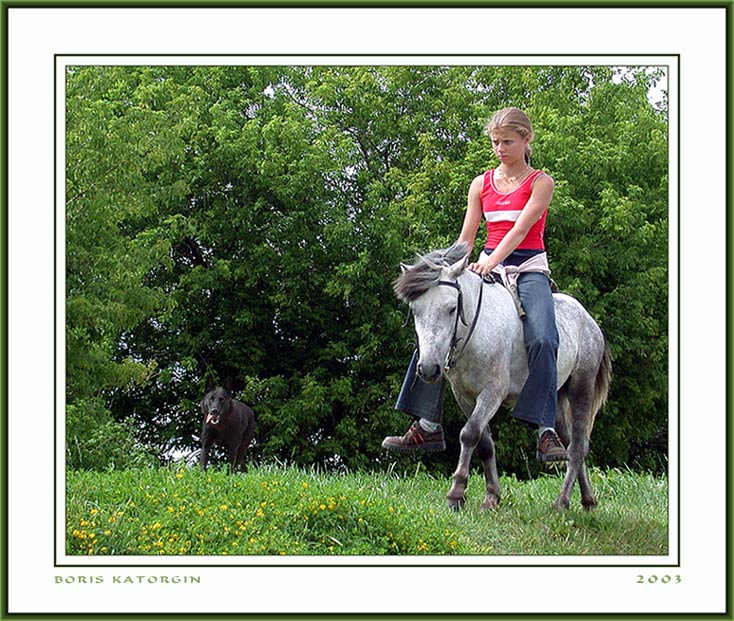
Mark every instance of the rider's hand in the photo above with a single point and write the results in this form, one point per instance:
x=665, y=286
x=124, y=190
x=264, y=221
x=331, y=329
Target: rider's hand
x=481, y=267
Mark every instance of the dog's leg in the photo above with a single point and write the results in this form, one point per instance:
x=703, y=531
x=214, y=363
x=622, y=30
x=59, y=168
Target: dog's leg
x=233, y=451
x=206, y=443
x=241, y=455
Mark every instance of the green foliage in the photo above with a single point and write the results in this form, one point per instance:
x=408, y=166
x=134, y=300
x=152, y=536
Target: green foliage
x=95, y=441
x=290, y=511
x=249, y=221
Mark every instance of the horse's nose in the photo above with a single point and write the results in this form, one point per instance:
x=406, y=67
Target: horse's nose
x=429, y=372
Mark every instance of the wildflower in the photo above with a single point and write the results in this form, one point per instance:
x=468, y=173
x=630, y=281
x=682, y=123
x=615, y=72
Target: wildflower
x=223, y=507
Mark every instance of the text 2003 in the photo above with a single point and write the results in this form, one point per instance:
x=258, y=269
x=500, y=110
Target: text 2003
x=667, y=579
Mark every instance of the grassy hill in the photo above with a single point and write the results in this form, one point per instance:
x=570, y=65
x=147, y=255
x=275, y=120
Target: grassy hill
x=274, y=510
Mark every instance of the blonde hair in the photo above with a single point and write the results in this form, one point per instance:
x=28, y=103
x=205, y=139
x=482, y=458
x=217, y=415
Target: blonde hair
x=513, y=119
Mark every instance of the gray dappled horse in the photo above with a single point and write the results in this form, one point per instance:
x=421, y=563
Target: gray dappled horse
x=470, y=331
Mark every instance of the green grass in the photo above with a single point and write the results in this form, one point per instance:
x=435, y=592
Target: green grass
x=289, y=511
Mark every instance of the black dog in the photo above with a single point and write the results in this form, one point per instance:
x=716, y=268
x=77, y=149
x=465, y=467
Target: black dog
x=227, y=422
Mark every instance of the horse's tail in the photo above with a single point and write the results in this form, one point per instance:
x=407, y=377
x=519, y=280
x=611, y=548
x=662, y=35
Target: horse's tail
x=603, y=381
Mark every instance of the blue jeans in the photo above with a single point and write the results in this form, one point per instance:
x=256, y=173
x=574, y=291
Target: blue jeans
x=419, y=398
x=536, y=404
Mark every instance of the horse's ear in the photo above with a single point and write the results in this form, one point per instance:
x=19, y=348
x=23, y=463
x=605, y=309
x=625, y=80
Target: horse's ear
x=458, y=267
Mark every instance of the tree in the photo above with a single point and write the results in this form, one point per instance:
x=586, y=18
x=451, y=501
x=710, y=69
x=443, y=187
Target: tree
x=249, y=221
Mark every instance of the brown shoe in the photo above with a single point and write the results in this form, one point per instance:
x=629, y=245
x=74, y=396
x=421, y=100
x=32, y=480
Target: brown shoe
x=550, y=447
x=416, y=439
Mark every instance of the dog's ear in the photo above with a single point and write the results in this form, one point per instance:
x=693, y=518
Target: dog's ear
x=210, y=383
x=227, y=385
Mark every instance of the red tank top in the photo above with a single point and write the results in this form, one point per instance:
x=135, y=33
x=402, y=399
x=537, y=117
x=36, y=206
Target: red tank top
x=502, y=210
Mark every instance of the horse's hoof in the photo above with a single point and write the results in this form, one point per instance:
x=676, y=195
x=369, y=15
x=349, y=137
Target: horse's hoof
x=455, y=504
x=490, y=502
x=560, y=504
x=589, y=505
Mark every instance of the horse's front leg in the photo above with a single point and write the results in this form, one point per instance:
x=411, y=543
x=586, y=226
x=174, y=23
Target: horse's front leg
x=485, y=451
x=470, y=436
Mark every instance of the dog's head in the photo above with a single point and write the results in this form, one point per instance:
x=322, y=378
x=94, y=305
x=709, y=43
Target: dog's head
x=216, y=405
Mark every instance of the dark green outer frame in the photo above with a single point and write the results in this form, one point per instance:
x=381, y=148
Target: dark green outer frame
x=29, y=4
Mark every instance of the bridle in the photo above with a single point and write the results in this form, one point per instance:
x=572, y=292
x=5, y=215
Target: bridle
x=453, y=355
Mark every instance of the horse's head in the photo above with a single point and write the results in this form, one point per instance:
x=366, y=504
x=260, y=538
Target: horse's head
x=429, y=287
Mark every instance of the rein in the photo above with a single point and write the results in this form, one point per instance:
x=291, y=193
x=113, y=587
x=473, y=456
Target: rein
x=453, y=355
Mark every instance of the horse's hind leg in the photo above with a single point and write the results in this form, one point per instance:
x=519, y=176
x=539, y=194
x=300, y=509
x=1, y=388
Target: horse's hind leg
x=588, y=500
x=485, y=451
x=580, y=398
x=563, y=417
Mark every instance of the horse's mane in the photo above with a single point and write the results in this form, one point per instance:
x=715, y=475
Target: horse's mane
x=425, y=273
